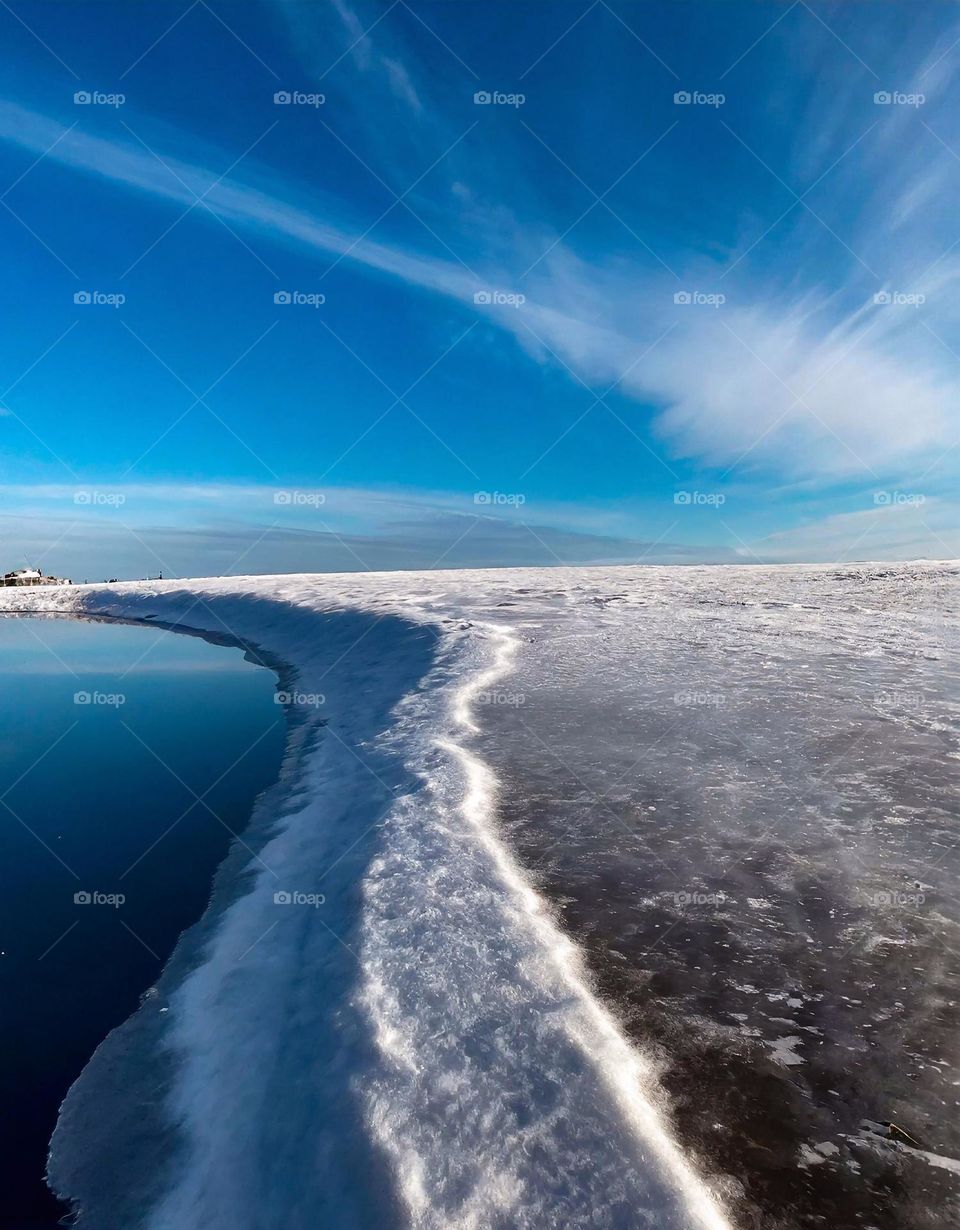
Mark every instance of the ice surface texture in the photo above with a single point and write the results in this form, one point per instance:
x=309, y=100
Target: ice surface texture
x=427, y=1047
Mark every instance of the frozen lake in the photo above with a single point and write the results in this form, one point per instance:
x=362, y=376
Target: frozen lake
x=632, y=903
x=743, y=802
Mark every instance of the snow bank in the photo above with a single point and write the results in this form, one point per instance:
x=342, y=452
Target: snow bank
x=420, y=1048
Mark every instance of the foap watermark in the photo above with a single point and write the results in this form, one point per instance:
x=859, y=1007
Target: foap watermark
x=699, y=298
x=705, y=499
x=100, y=499
x=497, y=98
x=98, y=98
x=100, y=700
x=897, y=98
x=695, y=897
x=294, y=897
x=699, y=699
x=899, y=298
x=301, y=700
x=697, y=98
x=510, y=499
x=299, y=499
x=298, y=98
x=509, y=700
x=99, y=298
x=300, y=298
x=499, y=298
x=908, y=499
x=892, y=698
x=95, y=897
x=895, y=899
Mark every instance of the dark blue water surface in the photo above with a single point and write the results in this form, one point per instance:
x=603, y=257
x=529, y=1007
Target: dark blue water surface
x=129, y=756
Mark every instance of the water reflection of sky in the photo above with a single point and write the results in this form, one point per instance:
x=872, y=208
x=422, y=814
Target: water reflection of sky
x=58, y=646
x=136, y=789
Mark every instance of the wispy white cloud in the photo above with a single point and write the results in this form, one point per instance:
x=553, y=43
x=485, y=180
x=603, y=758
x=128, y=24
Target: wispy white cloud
x=191, y=528
x=130, y=164
x=894, y=531
x=781, y=378
x=197, y=529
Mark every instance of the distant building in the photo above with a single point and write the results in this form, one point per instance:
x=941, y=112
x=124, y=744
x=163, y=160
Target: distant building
x=31, y=576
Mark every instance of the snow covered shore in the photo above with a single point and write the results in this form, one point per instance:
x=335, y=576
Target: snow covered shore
x=377, y=1022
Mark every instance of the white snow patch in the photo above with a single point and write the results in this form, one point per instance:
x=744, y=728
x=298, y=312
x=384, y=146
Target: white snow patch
x=783, y=1050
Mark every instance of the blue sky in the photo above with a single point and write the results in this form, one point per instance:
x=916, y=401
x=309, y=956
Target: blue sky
x=569, y=283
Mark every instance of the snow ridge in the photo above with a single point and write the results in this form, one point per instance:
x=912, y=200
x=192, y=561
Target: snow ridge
x=423, y=1049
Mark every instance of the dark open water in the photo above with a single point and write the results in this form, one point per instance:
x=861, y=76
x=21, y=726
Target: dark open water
x=108, y=735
